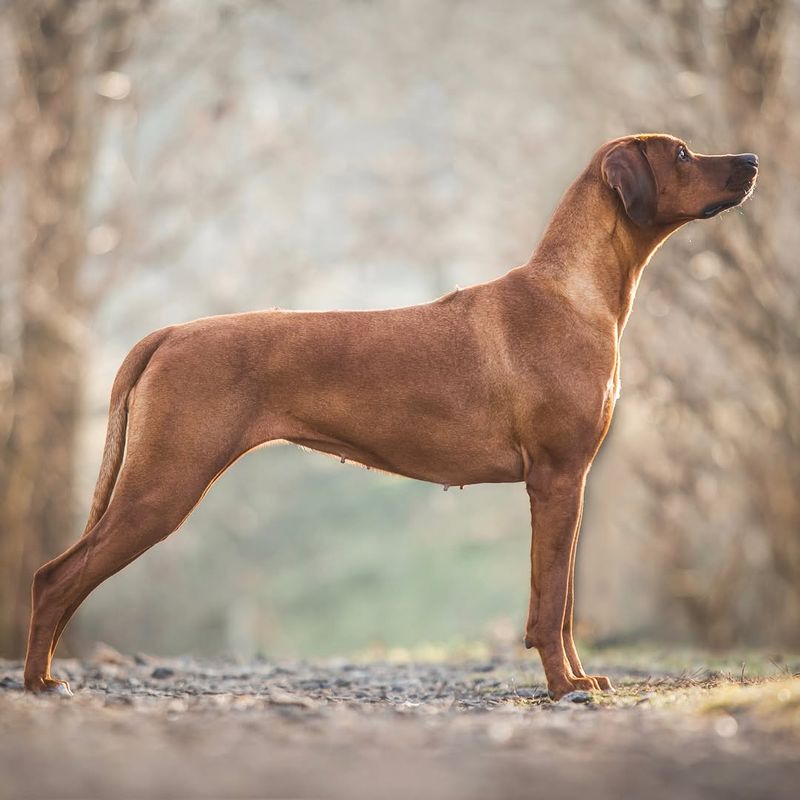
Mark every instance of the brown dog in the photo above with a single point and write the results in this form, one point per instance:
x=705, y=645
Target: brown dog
x=511, y=380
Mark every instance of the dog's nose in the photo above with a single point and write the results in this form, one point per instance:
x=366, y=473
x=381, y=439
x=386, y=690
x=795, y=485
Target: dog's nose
x=751, y=159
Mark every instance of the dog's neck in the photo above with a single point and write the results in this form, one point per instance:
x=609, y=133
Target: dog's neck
x=592, y=253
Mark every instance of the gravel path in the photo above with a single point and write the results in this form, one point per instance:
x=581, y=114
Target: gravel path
x=146, y=728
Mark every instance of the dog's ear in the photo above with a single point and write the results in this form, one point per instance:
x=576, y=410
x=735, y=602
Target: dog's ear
x=627, y=170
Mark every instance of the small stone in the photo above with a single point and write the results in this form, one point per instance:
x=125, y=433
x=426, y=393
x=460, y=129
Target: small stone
x=278, y=697
x=162, y=672
x=106, y=654
x=578, y=696
x=534, y=693
x=118, y=700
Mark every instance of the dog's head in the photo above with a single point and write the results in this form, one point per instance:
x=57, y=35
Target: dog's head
x=661, y=182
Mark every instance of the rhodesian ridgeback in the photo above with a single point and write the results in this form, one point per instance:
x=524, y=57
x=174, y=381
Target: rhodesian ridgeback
x=513, y=380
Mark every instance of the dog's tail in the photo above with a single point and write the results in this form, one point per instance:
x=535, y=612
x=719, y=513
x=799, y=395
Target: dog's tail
x=129, y=373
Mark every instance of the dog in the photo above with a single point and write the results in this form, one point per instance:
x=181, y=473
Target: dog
x=513, y=380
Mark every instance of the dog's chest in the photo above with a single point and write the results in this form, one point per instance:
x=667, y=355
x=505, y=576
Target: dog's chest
x=612, y=393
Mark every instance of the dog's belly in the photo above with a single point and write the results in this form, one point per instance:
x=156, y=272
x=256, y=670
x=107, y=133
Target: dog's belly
x=401, y=433
x=467, y=464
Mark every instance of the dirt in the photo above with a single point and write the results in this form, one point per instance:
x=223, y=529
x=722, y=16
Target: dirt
x=151, y=728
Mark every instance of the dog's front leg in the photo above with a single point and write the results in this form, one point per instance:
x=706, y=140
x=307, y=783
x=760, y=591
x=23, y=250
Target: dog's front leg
x=601, y=681
x=573, y=658
x=556, y=499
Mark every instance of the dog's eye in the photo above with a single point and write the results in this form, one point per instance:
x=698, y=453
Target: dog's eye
x=682, y=154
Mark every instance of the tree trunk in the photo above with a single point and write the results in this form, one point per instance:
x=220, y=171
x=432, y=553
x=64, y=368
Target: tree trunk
x=52, y=145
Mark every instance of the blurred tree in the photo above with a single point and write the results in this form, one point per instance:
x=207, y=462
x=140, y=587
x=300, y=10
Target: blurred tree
x=729, y=60
x=66, y=55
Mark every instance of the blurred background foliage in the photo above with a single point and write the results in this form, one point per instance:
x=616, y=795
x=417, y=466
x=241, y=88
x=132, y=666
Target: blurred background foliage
x=162, y=160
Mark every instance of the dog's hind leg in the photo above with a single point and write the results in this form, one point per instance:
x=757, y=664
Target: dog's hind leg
x=152, y=498
x=170, y=463
x=142, y=512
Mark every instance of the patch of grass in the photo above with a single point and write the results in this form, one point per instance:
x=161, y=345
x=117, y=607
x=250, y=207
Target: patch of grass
x=652, y=662
x=775, y=701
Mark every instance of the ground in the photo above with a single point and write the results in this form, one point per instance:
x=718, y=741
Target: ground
x=140, y=727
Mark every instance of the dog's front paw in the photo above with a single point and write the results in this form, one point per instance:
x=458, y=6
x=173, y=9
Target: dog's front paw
x=586, y=683
x=603, y=683
x=557, y=689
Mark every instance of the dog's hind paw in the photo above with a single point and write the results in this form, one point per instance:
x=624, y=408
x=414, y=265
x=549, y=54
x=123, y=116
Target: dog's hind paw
x=62, y=688
x=53, y=686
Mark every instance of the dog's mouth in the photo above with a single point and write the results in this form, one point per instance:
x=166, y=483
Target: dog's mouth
x=718, y=208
